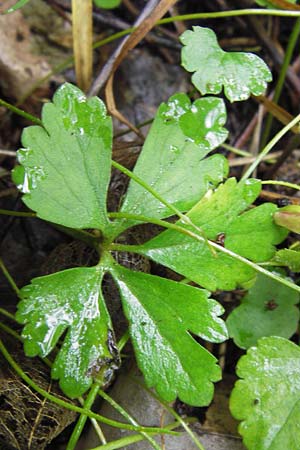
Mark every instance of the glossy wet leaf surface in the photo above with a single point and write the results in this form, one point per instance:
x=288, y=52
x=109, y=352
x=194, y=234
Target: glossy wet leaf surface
x=267, y=399
x=252, y=235
x=290, y=258
x=65, y=166
x=162, y=314
x=172, y=159
x=268, y=309
x=241, y=74
x=71, y=302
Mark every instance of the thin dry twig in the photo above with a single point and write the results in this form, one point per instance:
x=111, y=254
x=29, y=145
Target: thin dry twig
x=153, y=11
x=11, y=153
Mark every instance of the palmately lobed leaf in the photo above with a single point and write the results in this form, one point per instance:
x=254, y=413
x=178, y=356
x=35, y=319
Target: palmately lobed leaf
x=252, y=235
x=241, y=74
x=162, y=314
x=70, y=301
x=268, y=309
x=173, y=160
x=267, y=398
x=65, y=166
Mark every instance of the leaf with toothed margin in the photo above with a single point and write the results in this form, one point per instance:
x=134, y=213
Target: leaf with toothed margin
x=65, y=166
x=70, y=301
x=241, y=74
x=252, y=235
x=173, y=160
x=267, y=398
x=162, y=314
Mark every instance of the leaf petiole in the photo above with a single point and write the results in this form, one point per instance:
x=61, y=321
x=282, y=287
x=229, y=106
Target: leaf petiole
x=269, y=146
x=178, y=228
x=282, y=183
x=128, y=417
x=9, y=278
x=155, y=194
x=72, y=407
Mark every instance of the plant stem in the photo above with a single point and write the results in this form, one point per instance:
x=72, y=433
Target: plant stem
x=128, y=440
x=285, y=65
x=213, y=15
x=20, y=112
x=127, y=416
x=179, y=229
x=16, y=335
x=235, y=150
x=172, y=412
x=81, y=235
x=269, y=146
x=282, y=183
x=9, y=278
x=69, y=62
x=10, y=331
x=185, y=219
x=7, y=314
x=82, y=419
x=122, y=342
x=8, y=212
x=70, y=406
x=231, y=13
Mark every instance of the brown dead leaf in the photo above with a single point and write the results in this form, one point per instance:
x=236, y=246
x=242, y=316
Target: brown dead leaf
x=19, y=67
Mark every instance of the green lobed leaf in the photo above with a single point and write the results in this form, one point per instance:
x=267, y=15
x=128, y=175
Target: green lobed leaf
x=241, y=74
x=288, y=257
x=252, y=235
x=70, y=301
x=162, y=314
x=172, y=159
x=268, y=309
x=267, y=399
x=65, y=166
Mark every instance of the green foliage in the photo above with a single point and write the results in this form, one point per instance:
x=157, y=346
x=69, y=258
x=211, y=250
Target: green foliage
x=64, y=174
x=16, y=6
x=160, y=317
x=240, y=73
x=68, y=153
x=267, y=310
x=181, y=136
x=288, y=257
x=65, y=166
x=267, y=397
x=218, y=215
x=70, y=300
x=107, y=4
